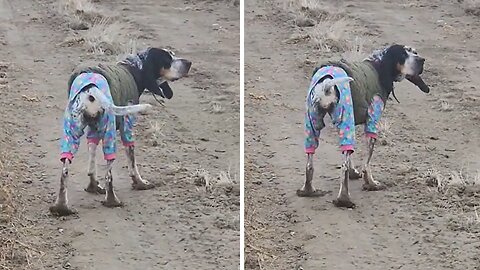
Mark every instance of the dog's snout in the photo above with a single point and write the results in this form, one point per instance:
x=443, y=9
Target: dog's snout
x=421, y=60
x=188, y=65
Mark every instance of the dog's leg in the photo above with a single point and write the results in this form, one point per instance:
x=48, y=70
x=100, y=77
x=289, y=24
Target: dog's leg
x=353, y=173
x=94, y=187
x=126, y=134
x=370, y=184
x=343, y=198
x=138, y=182
x=61, y=207
x=111, y=199
x=308, y=190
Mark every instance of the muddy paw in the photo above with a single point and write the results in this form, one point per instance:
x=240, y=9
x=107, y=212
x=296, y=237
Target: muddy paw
x=373, y=187
x=95, y=189
x=111, y=203
x=347, y=203
x=142, y=185
x=354, y=174
x=62, y=210
x=311, y=193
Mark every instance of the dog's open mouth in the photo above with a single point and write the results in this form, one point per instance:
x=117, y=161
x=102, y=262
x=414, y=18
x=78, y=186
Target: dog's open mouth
x=418, y=81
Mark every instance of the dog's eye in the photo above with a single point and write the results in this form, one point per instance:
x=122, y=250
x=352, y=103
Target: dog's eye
x=410, y=49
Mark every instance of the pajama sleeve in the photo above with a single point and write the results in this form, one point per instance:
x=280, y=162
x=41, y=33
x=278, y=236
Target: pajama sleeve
x=374, y=114
x=70, y=141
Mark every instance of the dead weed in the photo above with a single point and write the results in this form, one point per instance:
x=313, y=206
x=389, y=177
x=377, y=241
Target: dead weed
x=472, y=7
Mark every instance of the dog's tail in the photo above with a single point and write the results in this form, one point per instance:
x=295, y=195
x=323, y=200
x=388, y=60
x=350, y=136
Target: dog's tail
x=323, y=93
x=96, y=99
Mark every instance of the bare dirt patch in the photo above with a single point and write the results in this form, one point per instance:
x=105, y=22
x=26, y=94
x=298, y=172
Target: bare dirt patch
x=416, y=222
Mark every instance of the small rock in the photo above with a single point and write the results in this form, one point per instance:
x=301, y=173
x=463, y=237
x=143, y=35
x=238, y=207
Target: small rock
x=305, y=22
x=78, y=26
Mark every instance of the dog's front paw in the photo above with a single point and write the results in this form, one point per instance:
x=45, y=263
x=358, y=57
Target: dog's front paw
x=370, y=184
x=62, y=210
x=344, y=202
x=142, y=185
x=95, y=188
x=373, y=186
x=112, y=202
x=354, y=174
x=311, y=192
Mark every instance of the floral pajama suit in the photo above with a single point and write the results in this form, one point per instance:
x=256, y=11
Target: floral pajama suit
x=73, y=126
x=342, y=116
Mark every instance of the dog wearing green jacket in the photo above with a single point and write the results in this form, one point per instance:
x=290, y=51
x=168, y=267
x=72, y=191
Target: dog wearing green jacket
x=103, y=98
x=355, y=93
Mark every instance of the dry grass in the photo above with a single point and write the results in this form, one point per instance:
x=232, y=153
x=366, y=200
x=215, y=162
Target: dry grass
x=311, y=9
x=472, y=7
x=104, y=37
x=156, y=134
x=217, y=108
x=81, y=11
x=257, y=254
x=14, y=254
x=385, y=128
x=203, y=178
x=330, y=32
x=457, y=180
x=445, y=106
x=330, y=35
x=101, y=33
x=468, y=221
x=355, y=50
x=127, y=48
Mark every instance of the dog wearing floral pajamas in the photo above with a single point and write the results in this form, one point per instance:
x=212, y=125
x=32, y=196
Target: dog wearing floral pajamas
x=103, y=99
x=354, y=94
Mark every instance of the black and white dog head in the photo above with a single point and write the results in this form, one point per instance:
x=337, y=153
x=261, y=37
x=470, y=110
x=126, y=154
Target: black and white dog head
x=160, y=66
x=398, y=62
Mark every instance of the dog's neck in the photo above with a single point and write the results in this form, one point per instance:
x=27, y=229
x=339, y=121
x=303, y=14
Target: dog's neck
x=135, y=63
x=137, y=76
x=385, y=76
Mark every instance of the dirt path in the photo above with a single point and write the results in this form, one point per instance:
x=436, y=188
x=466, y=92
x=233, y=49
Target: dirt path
x=408, y=226
x=177, y=225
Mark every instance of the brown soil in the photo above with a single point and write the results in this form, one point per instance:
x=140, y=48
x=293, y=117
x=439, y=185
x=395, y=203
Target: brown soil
x=177, y=225
x=408, y=226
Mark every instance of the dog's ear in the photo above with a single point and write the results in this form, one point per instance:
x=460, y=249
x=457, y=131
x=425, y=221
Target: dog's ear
x=418, y=81
x=155, y=60
x=166, y=90
x=388, y=71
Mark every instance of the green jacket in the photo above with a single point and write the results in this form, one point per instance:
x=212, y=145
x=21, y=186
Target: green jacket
x=121, y=82
x=364, y=87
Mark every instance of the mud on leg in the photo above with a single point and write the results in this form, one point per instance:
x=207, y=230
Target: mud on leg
x=61, y=208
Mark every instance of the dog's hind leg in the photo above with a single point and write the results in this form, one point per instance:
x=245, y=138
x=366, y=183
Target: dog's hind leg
x=138, y=182
x=343, y=198
x=354, y=174
x=93, y=187
x=126, y=134
x=370, y=184
x=61, y=207
x=111, y=199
